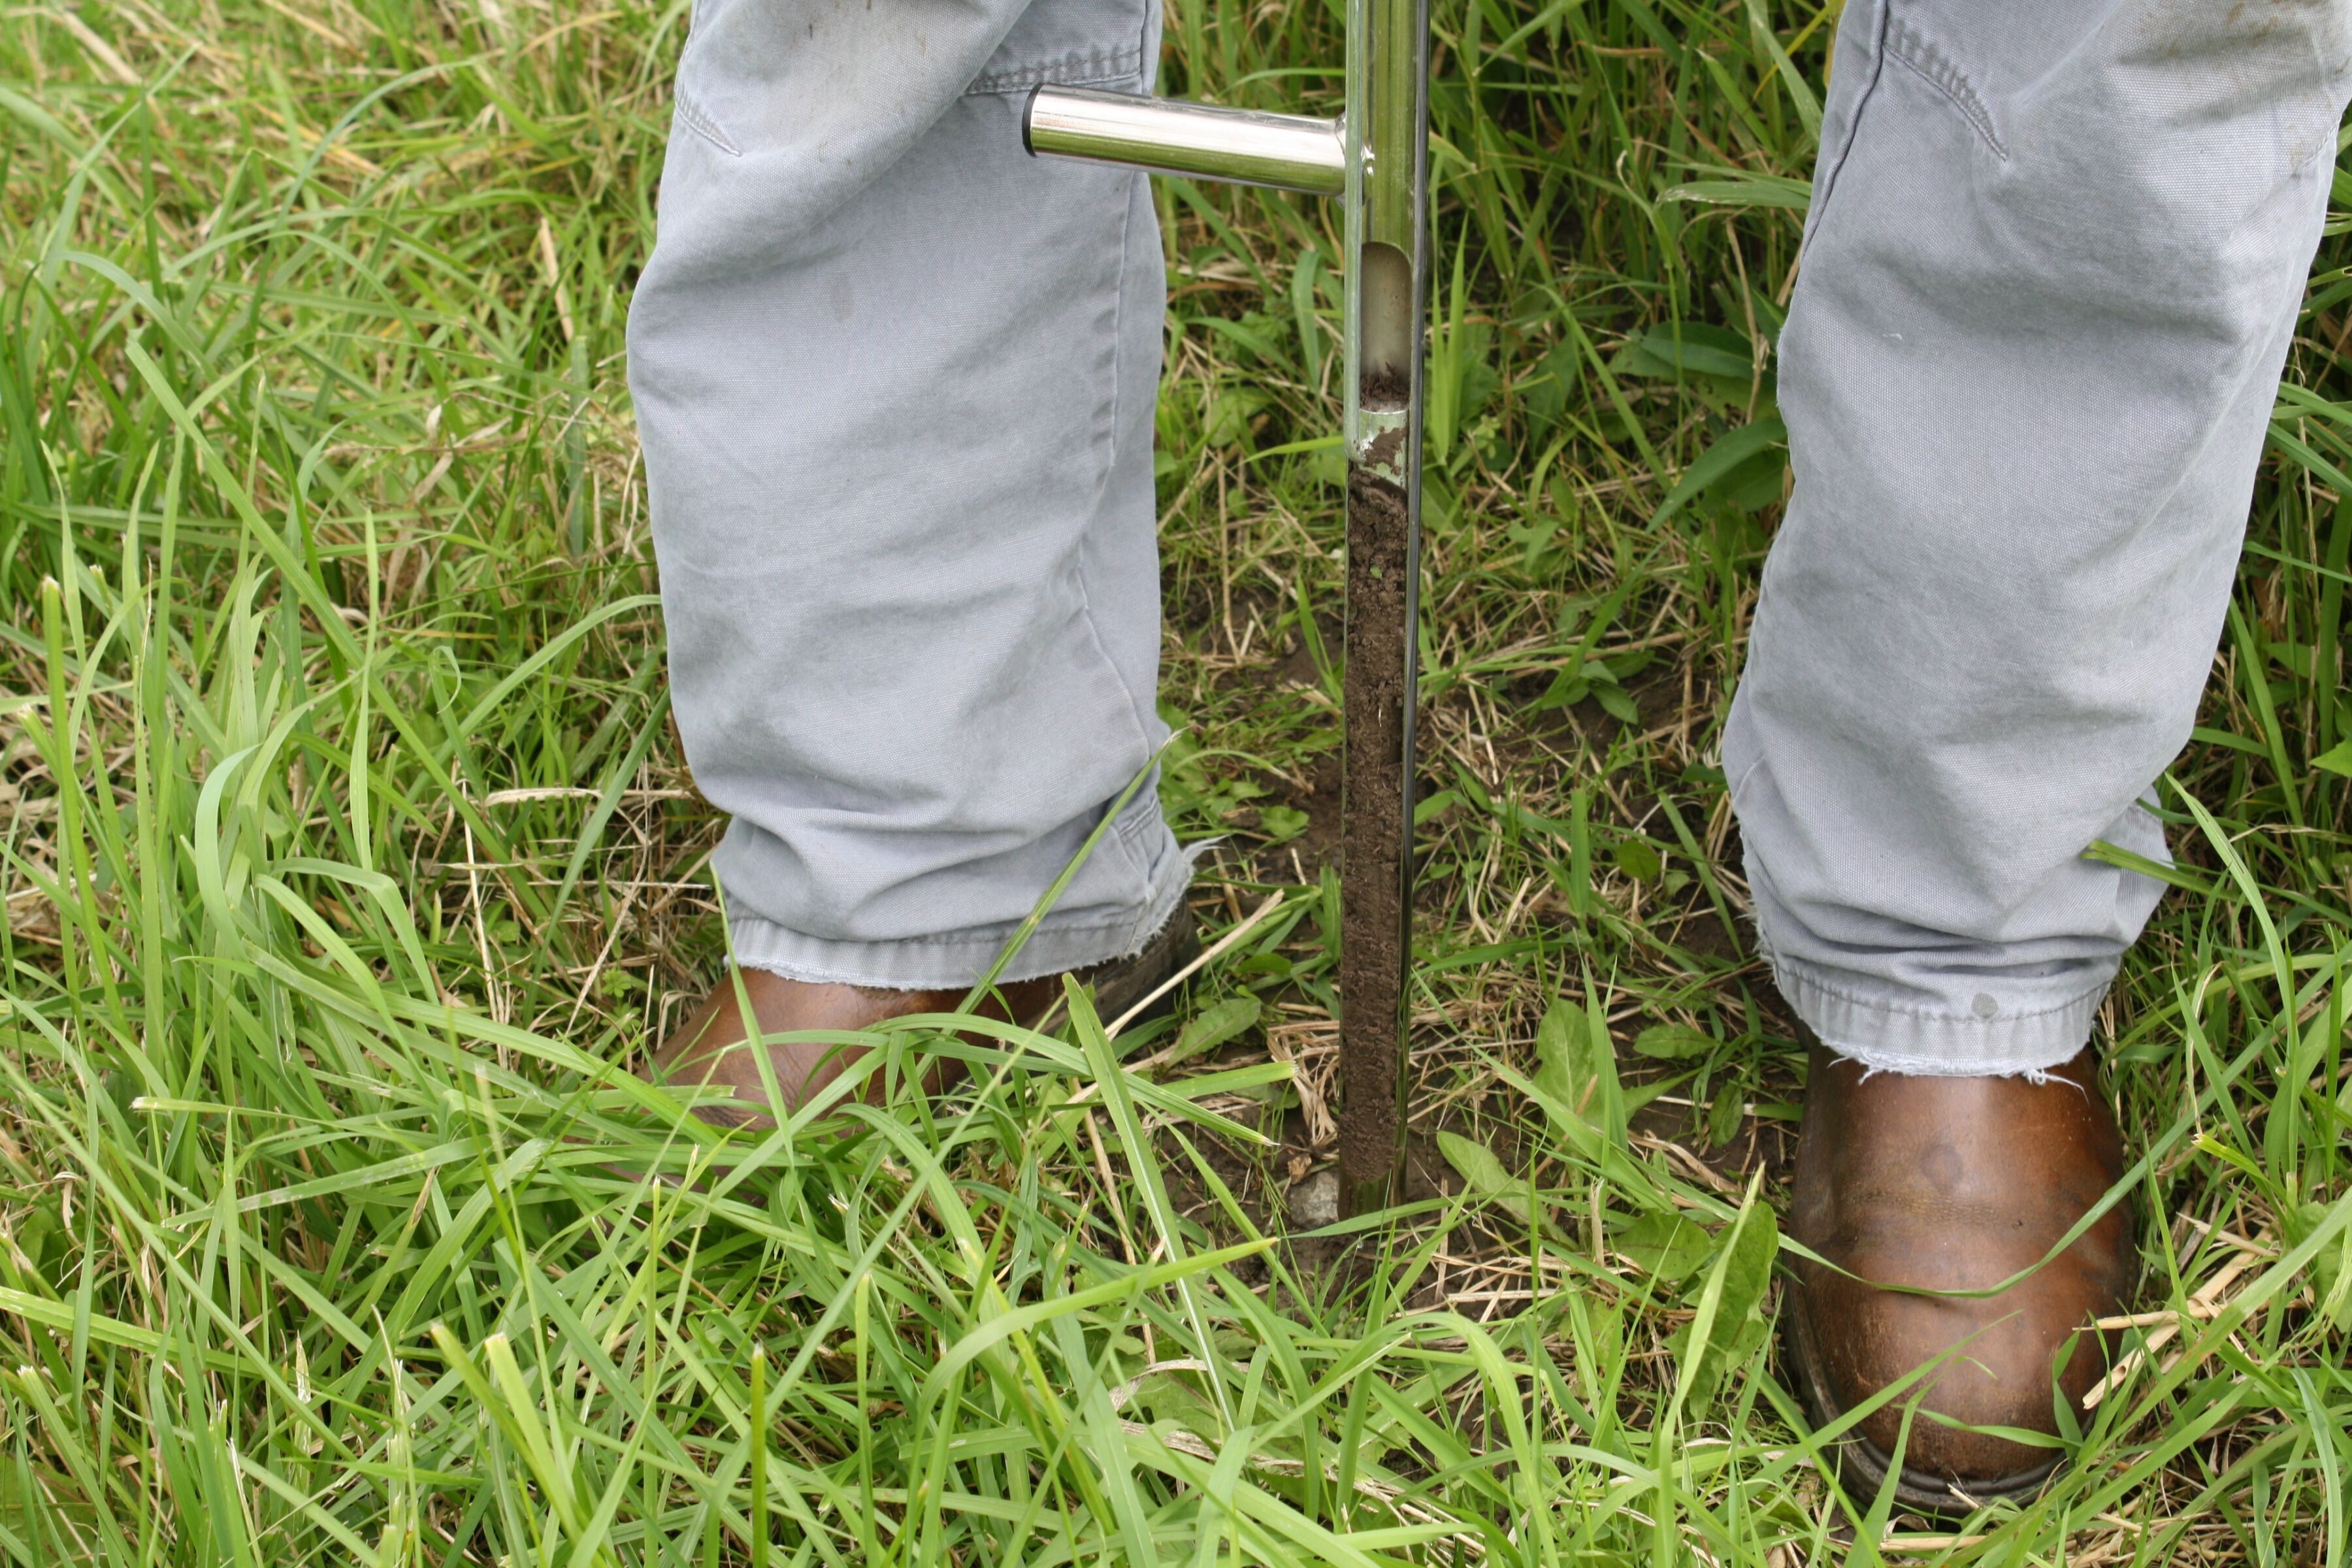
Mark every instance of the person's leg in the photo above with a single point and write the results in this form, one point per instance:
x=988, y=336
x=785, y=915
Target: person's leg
x=2050, y=277
x=2052, y=269
x=894, y=383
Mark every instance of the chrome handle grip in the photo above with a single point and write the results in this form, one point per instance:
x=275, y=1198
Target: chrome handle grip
x=1287, y=151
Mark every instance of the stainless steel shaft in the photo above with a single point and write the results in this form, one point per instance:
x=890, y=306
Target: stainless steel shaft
x=1386, y=123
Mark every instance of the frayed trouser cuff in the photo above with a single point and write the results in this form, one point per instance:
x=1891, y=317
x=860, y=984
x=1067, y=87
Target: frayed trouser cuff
x=960, y=958
x=1887, y=1037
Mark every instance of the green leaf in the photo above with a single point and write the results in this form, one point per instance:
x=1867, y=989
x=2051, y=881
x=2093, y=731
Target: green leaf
x=1230, y=409
x=1728, y=1347
x=1475, y=1163
x=1618, y=703
x=1445, y=800
x=1637, y=858
x=1719, y=461
x=1566, y=691
x=1281, y=823
x=1664, y=1244
x=1724, y=1117
x=1691, y=349
x=1256, y=333
x=2336, y=759
x=1216, y=1025
x=1751, y=486
x=1484, y=1175
x=2331, y=1266
x=1673, y=1042
x=1737, y=1327
x=1744, y=190
x=1558, y=375
x=1755, y=1242
x=1553, y=1074
x=1601, y=1064
x=1577, y=1065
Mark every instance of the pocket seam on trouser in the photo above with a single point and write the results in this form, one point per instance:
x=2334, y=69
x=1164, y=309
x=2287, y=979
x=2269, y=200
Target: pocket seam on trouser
x=697, y=118
x=1913, y=48
x=1138, y=713
x=683, y=105
x=1826, y=170
x=1740, y=785
x=1070, y=71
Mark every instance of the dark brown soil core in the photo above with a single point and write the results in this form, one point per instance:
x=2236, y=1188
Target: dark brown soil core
x=1373, y=842
x=1385, y=389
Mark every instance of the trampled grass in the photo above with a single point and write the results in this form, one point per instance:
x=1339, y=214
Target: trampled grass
x=350, y=859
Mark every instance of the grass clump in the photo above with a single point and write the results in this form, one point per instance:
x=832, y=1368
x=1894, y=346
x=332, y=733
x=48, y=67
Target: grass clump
x=350, y=862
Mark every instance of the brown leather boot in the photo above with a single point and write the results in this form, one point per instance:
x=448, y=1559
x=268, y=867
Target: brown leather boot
x=1953, y=1183
x=703, y=1052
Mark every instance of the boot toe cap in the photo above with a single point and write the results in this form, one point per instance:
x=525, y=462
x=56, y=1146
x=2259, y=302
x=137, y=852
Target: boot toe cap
x=1966, y=1367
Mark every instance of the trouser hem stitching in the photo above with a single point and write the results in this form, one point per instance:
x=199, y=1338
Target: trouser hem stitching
x=2028, y=1044
x=957, y=959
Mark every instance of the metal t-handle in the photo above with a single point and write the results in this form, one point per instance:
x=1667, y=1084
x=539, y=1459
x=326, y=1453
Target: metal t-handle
x=1240, y=146
x=1375, y=159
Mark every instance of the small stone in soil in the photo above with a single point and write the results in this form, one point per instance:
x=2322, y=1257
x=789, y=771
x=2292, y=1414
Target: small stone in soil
x=1315, y=1202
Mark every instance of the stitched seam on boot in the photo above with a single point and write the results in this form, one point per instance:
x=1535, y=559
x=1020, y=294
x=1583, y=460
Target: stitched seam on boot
x=1932, y=66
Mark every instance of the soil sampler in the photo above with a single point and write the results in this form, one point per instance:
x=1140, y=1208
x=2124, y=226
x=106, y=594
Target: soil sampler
x=1374, y=159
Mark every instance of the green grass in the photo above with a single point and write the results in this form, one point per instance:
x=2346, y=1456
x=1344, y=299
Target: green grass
x=350, y=859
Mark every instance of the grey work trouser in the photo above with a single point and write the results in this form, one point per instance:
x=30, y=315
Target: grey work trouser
x=2053, y=262
x=895, y=385
x=895, y=381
